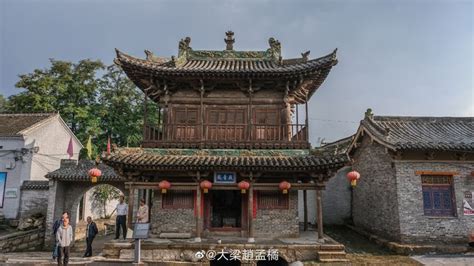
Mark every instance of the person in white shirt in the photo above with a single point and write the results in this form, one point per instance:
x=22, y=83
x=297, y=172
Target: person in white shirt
x=121, y=220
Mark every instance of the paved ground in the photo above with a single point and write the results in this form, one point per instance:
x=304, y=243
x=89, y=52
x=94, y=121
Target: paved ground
x=445, y=259
x=360, y=251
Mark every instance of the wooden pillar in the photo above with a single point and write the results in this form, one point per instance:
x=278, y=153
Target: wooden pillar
x=201, y=90
x=251, y=238
x=131, y=197
x=319, y=213
x=249, y=112
x=306, y=121
x=198, y=211
x=145, y=115
x=305, y=210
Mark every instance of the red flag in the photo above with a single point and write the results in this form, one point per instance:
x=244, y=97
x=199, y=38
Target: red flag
x=108, y=145
x=70, y=149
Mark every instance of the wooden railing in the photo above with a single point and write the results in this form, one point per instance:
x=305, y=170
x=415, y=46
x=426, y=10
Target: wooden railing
x=235, y=135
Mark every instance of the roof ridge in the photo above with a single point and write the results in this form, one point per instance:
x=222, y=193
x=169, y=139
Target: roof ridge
x=389, y=118
x=28, y=114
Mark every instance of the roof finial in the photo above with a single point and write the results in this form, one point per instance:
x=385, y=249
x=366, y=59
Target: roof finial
x=229, y=40
x=368, y=113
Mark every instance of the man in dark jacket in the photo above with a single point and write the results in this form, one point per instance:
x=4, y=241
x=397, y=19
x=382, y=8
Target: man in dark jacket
x=91, y=232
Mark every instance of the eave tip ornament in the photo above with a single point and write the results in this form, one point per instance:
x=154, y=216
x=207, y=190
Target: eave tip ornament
x=353, y=176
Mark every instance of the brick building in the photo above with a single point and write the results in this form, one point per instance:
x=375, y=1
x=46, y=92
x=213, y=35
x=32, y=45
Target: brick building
x=417, y=178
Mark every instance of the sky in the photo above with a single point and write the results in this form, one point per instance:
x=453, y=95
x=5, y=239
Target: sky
x=405, y=57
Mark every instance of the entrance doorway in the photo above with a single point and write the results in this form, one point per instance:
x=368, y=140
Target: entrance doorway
x=226, y=209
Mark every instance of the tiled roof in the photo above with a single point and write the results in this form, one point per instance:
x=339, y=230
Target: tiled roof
x=35, y=185
x=226, y=67
x=153, y=161
x=337, y=147
x=302, y=76
x=430, y=133
x=79, y=172
x=12, y=125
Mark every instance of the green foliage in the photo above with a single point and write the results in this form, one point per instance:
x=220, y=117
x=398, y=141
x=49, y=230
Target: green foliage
x=101, y=195
x=92, y=99
x=3, y=103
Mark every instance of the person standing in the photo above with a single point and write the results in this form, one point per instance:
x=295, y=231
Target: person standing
x=64, y=239
x=58, y=223
x=121, y=220
x=91, y=232
x=142, y=214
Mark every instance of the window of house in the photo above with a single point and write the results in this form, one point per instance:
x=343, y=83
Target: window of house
x=438, y=195
x=178, y=199
x=272, y=200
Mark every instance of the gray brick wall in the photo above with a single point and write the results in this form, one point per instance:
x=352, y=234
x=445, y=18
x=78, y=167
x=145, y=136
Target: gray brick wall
x=33, y=201
x=278, y=222
x=171, y=220
x=336, y=200
x=375, y=205
x=414, y=225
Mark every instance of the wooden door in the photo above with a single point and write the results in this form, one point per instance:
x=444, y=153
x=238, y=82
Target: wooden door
x=266, y=124
x=226, y=124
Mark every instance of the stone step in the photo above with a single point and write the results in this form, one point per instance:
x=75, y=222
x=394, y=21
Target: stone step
x=332, y=256
x=176, y=235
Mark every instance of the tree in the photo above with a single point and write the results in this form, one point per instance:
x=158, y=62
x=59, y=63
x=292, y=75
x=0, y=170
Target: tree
x=92, y=103
x=68, y=88
x=101, y=195
x=3, y=103
x=120, y=108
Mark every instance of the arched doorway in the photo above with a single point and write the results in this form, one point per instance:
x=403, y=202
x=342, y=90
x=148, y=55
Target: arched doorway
x=97, y=201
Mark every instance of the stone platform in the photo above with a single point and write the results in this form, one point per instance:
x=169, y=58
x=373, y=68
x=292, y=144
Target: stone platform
x=304, y=248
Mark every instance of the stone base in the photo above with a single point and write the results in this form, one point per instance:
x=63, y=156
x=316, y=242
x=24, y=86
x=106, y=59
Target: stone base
x=411, y=249
x=186, y=251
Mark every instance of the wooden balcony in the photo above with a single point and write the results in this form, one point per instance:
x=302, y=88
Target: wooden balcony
x=238, y=136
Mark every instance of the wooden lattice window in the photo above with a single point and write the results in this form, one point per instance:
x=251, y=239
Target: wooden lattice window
x=178, y=199
x=438, y=196
x=186, y=120
x=272, y=200
x=266, y=124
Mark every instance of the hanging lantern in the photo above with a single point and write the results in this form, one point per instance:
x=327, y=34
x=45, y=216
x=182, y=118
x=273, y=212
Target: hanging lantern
x=284, y=186
x=94, y=173
x=164, y=186
x=243, y=185
x=206, y=185
x=353, y=176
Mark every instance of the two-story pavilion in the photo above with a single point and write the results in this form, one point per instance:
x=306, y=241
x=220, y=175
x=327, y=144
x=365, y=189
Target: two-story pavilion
x=225, y=117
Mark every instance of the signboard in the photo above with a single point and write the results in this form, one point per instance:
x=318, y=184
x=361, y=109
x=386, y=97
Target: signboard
x=224, y=177
x=468, y=203
x=3, y=183
x=140, y=231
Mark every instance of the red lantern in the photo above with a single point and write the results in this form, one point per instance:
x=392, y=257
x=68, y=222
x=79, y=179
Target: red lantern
x=94, y=173
x=353, y=176
x=164, y=185
x=284, y=186
x=206, y=185
x=243, y=185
